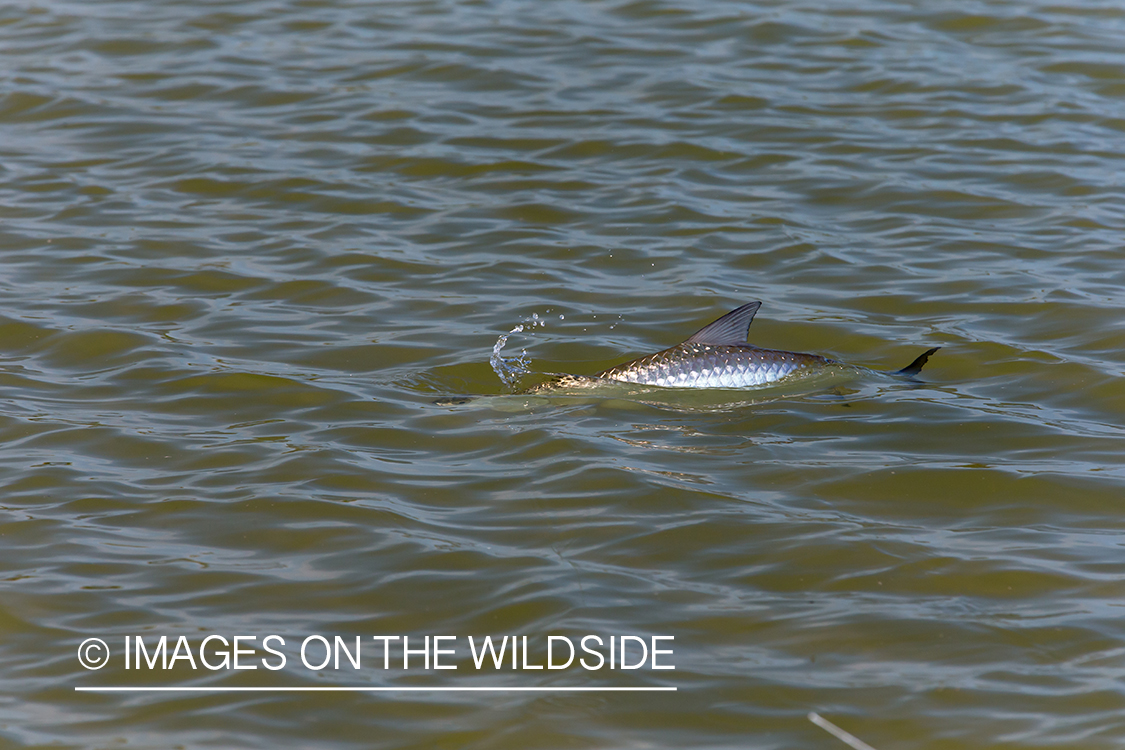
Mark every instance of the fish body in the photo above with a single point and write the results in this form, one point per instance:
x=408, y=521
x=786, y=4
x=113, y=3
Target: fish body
x=719, y=356
x=694, y=365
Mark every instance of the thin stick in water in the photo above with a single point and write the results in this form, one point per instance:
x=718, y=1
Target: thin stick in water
x=848, y=739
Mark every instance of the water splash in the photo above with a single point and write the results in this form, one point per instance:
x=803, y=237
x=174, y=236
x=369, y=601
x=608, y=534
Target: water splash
x=511, y=369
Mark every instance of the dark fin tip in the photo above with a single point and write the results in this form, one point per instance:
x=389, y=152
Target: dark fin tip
x=916, y=366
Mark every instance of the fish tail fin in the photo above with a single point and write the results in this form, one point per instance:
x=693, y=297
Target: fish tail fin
x=916, y=366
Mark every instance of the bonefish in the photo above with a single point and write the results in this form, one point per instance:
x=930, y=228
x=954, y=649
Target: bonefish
x=719, y=356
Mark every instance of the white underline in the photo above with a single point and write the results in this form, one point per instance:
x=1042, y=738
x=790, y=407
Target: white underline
x=137, y=689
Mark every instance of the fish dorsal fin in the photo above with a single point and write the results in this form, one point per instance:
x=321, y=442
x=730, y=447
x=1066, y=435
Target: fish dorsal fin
x=729, y=330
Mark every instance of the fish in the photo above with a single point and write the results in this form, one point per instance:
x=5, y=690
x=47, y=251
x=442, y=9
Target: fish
x=719, y=355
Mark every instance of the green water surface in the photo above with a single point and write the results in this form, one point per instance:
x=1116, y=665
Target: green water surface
x=245, y=247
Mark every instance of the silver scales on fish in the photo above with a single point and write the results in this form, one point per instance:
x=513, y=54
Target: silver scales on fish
x=718, y=356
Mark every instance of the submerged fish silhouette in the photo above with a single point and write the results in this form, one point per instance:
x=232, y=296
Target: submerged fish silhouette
x=719, y=356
